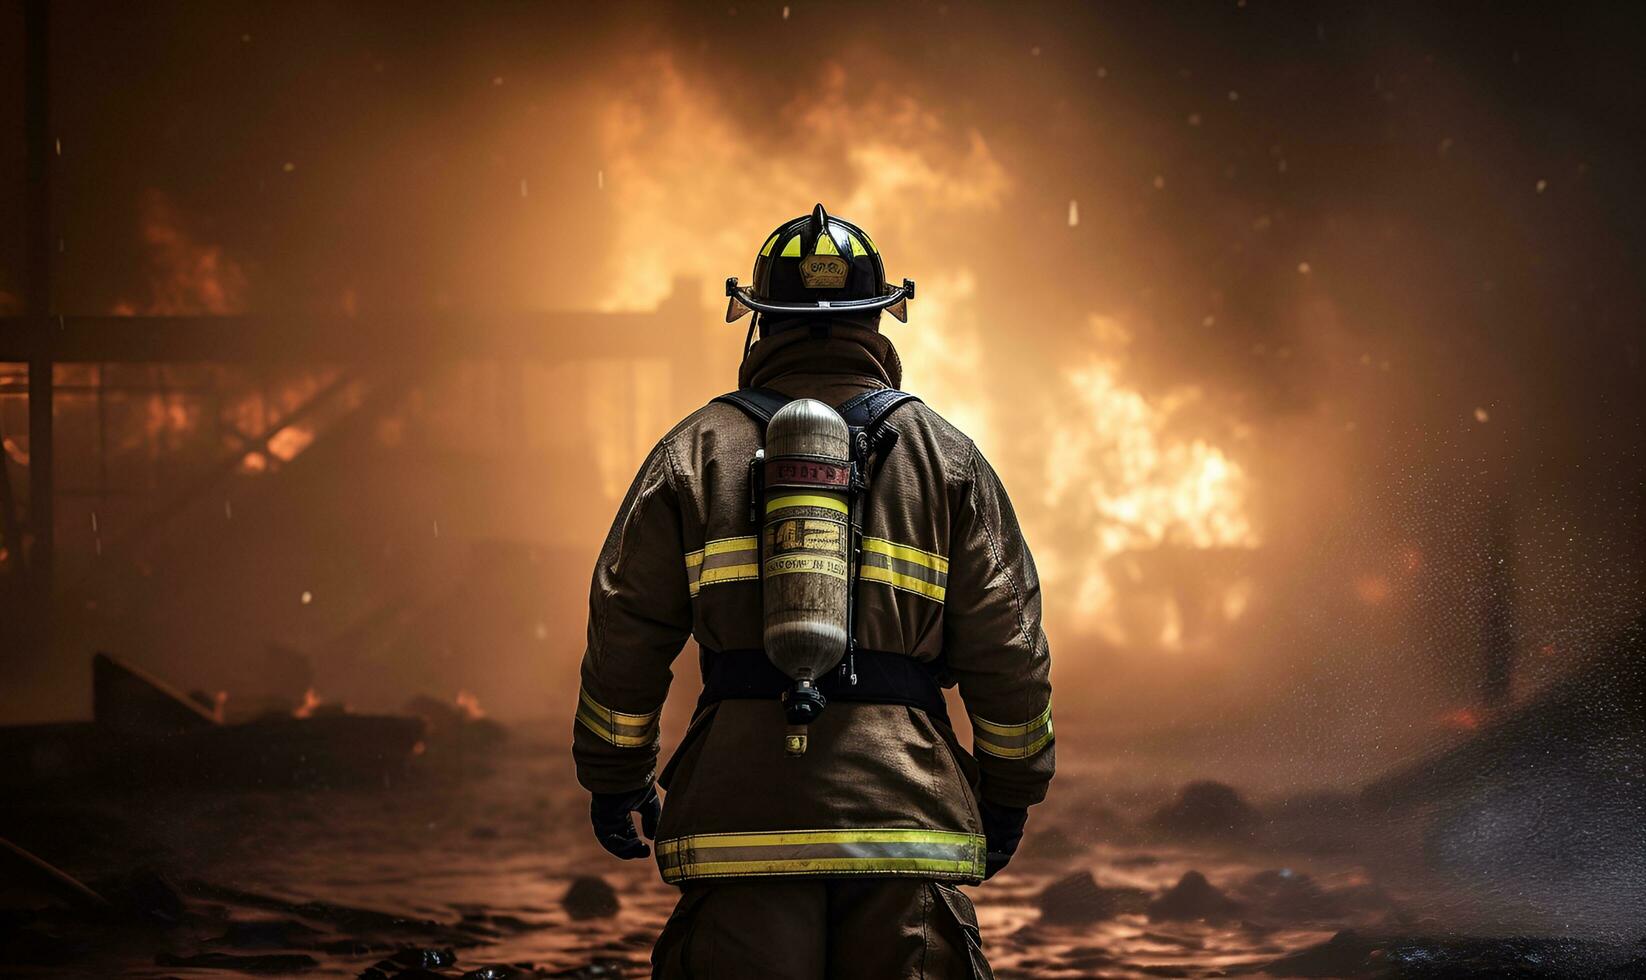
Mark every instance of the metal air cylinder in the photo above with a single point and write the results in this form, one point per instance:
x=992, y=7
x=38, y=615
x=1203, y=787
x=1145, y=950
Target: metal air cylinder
x=804, y=546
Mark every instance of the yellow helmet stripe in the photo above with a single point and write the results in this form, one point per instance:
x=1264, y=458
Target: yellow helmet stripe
x=766, y=249
x=791, y=248
x=825, y=245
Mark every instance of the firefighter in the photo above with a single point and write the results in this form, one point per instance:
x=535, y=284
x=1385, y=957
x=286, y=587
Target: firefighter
x=841, y=859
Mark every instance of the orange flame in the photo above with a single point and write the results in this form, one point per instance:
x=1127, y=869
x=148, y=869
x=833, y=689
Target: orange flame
x=470, y=706
x=186, y=276
x=311, y=702
x=1461, y=720
x=1123, y=473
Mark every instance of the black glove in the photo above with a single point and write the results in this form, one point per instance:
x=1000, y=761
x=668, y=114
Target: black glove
x=614, y=827
x=1002, y=832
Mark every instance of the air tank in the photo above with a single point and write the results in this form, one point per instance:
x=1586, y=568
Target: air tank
x=805, y=539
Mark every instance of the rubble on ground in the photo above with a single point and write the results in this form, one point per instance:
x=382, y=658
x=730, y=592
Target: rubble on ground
x=590, y=897
x=1079, y=900
x=1193, y=897
x=1206, y=809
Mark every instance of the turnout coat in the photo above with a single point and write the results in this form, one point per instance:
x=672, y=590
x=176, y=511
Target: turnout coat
x=945, y=578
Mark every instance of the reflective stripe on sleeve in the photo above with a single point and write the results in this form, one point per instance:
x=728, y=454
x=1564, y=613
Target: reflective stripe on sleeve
x=886, y=851
x=1012, y=741
x=723, y=560
x=903, y=567
x=619, y=728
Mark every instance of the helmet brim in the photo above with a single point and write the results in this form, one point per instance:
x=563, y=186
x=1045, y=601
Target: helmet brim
x=895, y=300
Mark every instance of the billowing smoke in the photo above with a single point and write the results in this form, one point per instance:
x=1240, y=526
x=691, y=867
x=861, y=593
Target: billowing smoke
x=1265, y=318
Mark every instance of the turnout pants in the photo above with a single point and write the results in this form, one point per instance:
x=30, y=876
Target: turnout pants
x=820, y=929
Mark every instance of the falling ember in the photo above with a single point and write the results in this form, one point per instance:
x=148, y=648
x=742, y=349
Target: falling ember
x=1461, y=720
x=311, y=702
x=306, y=598
x=1482, y=416
x=1412, y=559
x=1074, y=214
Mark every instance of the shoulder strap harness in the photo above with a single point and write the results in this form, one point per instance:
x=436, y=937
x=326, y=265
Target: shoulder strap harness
x=888, y=676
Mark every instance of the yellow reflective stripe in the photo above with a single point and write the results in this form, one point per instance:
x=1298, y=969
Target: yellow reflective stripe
x=623, y=729
x=825, y=245
x=855, y=245
x=778, y=838
x=802, y=866
x=1009, y=751
x=1012, y=741
x=945, y=854
x=994, y=728
x=728, y=573
x=718, y=561
x=805, y=500
x=722, y=545
x=881, y=546
x=897, y=580
x=766, y=249
x=869, y=242
x=791, y=248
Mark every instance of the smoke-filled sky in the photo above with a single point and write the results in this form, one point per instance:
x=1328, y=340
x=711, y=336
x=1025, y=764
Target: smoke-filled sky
x=1263, y=311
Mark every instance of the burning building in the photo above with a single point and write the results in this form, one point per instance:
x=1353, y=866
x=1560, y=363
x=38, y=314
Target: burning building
x=1307, y=342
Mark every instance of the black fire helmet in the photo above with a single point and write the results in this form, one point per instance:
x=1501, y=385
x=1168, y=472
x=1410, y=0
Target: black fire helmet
x=818, y=265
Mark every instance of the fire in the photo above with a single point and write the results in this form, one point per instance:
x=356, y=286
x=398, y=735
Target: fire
x=692, y=195
x=311, y=702
x=186, y=276
x=692, y=187
x=470, y=706
x=1461, y=720
x=1115, y=468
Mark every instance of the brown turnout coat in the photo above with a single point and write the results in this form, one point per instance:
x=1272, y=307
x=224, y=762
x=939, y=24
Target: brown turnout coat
x=945, y=578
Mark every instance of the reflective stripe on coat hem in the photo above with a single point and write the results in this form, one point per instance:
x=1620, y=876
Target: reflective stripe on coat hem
x=939, y=854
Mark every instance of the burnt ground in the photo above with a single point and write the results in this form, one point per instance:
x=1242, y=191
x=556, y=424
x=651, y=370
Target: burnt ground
x=485, y=861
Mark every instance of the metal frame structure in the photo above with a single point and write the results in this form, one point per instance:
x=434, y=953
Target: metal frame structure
x=397, y=347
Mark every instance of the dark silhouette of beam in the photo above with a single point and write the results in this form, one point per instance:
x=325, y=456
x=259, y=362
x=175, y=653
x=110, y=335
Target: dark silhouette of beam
x=37, y=304
x=296, y=338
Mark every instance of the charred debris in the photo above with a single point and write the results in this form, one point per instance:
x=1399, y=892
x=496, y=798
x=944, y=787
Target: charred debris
x=145, y=733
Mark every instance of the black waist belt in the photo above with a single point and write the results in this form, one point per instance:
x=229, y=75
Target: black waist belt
x=882, y=678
